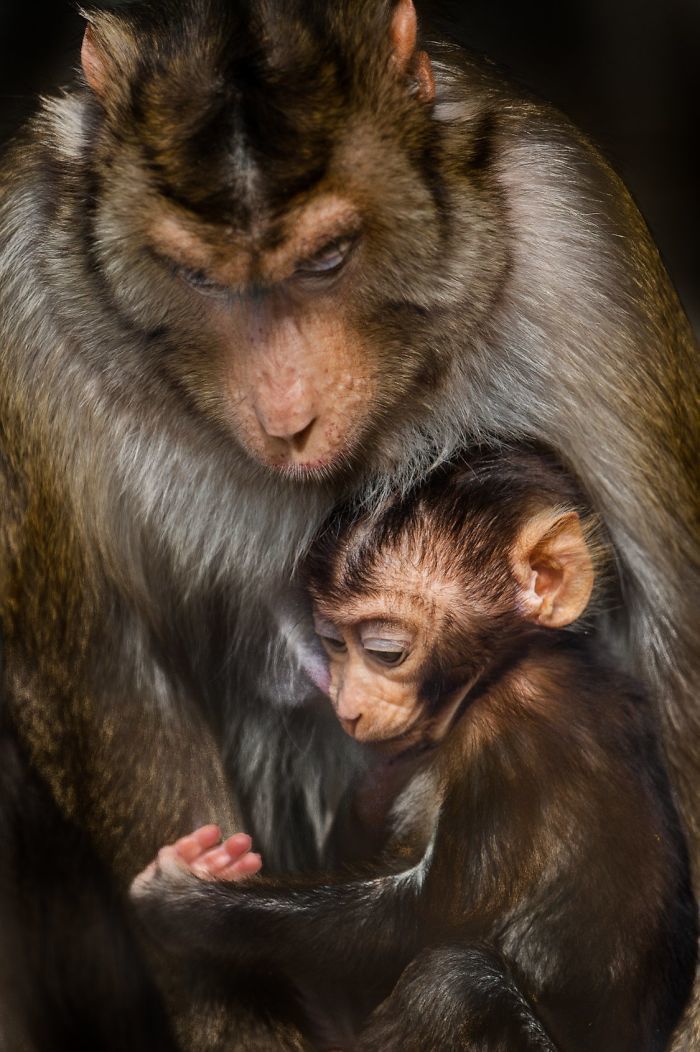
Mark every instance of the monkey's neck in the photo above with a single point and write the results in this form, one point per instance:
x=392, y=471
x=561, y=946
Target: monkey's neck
x=363, y=827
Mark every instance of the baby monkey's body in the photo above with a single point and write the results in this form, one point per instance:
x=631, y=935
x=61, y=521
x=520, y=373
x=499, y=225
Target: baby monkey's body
x=532, y=888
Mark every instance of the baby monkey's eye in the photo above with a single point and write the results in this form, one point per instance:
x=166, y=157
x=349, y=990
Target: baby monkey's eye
x=331, y=637
x=386, y=651
x=333, y=645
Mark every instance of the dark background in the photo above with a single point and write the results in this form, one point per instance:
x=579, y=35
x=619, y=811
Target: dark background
x=627, y=71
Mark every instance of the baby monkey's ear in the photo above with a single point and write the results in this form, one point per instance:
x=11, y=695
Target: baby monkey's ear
x=553, y=567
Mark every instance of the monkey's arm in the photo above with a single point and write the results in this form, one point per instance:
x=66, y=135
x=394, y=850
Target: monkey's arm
x=298, y=925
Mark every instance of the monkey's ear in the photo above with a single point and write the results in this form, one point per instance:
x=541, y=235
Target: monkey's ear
x=92, y=62
x=553, y=566
x=404, y=39
x=107, y=53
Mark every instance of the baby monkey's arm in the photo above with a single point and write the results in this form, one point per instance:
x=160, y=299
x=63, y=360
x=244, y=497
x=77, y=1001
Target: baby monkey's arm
x=195, y=897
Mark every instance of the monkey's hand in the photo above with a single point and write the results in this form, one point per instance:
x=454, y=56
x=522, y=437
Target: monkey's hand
x=175, y=898
x=203, y=855
x=194, y=900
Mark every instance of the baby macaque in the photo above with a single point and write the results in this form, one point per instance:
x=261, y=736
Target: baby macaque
x=534, y=891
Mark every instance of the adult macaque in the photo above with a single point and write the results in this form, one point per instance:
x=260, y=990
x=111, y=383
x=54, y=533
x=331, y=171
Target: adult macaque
x=263, y=256
x=549, y=905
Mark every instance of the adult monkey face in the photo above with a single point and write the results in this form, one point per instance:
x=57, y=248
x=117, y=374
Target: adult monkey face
x=286, y=221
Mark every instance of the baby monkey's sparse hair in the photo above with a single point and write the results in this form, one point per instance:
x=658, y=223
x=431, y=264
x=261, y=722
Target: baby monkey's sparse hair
x=465, y=517
x=443, y=586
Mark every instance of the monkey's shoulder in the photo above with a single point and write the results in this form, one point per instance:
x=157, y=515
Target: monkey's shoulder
x=566, y=741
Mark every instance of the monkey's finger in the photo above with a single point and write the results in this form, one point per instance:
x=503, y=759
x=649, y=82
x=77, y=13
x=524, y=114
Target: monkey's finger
x=247, y=866
x=192, y=846
x=211, y=863
x=237, y=845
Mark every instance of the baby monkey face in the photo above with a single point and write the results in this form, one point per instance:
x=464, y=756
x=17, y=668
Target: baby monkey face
x=411, y=629
x=380, y=647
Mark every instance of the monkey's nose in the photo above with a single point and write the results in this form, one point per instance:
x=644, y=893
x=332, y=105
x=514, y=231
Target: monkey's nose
x=286, y=412
x=292, y=429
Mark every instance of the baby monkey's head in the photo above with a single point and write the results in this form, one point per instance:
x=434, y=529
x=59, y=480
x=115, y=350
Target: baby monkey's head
x=427, y=599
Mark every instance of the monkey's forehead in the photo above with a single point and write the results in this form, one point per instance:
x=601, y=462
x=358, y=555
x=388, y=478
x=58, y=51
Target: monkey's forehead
x=243, y=111
x=395, y=588
x=237, y=195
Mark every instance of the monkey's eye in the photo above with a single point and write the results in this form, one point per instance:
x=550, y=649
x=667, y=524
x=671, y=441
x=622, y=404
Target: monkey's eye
x=333, y=645
x=197, y=279
x=329, y=260
x=386, y=651
x=330, y=636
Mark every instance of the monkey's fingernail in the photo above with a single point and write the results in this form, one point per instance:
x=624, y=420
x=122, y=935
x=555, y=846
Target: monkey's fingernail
x=238, y=843
x=251, y=862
